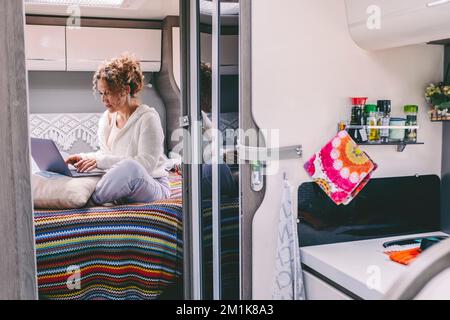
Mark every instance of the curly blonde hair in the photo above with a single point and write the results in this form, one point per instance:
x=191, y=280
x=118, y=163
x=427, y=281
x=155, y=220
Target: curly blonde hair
x=119, y=73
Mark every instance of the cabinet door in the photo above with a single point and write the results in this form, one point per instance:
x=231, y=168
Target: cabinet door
x=357, y=10
x=88, y=47
x=385, y=24
x=45, y=47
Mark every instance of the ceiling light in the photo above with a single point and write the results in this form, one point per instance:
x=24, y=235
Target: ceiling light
x=84, y=3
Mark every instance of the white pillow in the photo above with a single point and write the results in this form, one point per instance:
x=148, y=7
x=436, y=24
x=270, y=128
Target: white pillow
x=55, y=191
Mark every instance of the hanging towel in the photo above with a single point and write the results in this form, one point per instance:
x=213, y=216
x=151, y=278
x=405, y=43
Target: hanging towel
x=341, y=169
x=288, y=274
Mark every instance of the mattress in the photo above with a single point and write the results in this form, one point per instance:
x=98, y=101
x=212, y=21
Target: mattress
x=131, y=252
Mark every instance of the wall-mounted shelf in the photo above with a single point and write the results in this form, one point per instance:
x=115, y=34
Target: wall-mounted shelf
x=382, y=127
x=401, y=145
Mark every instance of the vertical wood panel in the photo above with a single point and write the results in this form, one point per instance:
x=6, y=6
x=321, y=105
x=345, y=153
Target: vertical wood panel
x=17, y=254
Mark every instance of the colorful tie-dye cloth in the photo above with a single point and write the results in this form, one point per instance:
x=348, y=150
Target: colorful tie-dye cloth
x=341, y=169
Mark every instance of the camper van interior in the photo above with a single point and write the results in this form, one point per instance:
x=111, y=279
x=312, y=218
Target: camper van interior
x=265, y=150
x=132, y=251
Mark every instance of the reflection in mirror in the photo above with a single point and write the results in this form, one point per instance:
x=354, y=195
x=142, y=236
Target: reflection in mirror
x=228, y=166
x=205, y=83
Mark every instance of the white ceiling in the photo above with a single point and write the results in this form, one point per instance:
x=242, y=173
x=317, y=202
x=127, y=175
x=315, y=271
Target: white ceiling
x=145, y=9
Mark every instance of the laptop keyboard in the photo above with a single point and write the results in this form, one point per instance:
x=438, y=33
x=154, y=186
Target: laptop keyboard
x=86, y=174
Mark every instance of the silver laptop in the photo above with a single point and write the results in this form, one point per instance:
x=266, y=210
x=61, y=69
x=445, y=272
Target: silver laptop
x=48, y=158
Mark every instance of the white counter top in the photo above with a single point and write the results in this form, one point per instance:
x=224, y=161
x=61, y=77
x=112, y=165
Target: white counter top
x=361, y=267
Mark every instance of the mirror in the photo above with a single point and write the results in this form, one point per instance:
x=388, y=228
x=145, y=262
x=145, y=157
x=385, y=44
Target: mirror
x=227, y=285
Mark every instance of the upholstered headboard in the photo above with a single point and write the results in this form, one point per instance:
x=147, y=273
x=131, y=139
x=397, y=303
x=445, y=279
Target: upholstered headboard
x=77, y=132
x=72, y=132
x=152, y=98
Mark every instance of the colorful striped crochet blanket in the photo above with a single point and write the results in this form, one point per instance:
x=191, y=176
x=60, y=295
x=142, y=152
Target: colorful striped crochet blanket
x=124, y=252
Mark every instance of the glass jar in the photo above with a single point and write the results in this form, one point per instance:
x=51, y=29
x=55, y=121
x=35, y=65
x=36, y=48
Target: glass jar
x=372, y=120
x=384, y=109
x=411, y=112
x=397, y=135
x=358, y=132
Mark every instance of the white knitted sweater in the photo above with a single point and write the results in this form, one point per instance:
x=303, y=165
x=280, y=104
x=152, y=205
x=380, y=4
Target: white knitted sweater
x=141, y=139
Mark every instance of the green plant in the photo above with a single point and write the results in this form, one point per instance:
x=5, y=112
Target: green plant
x=438, y=95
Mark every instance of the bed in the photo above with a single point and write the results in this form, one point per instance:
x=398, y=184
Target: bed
x=115, y=253
x=122, y=252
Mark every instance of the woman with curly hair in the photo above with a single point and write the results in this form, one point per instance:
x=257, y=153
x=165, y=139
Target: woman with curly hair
x=131, y=139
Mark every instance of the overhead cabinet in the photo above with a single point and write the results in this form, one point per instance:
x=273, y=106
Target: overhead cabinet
x=45, y=47
x=87, y=47
x=59, y=48
x=383, y=24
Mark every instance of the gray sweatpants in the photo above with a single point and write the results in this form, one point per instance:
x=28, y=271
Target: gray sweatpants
x=129, y=182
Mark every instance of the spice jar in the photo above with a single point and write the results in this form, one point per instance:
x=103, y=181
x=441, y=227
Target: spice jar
x=397, y=135
x=358, y=132
x=384, y=109
x=411, y=112
x=372, y=120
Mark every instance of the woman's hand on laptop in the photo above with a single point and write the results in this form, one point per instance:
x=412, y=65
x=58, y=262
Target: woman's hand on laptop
x=73, y=159
x=86, y=165
x=80, y=164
